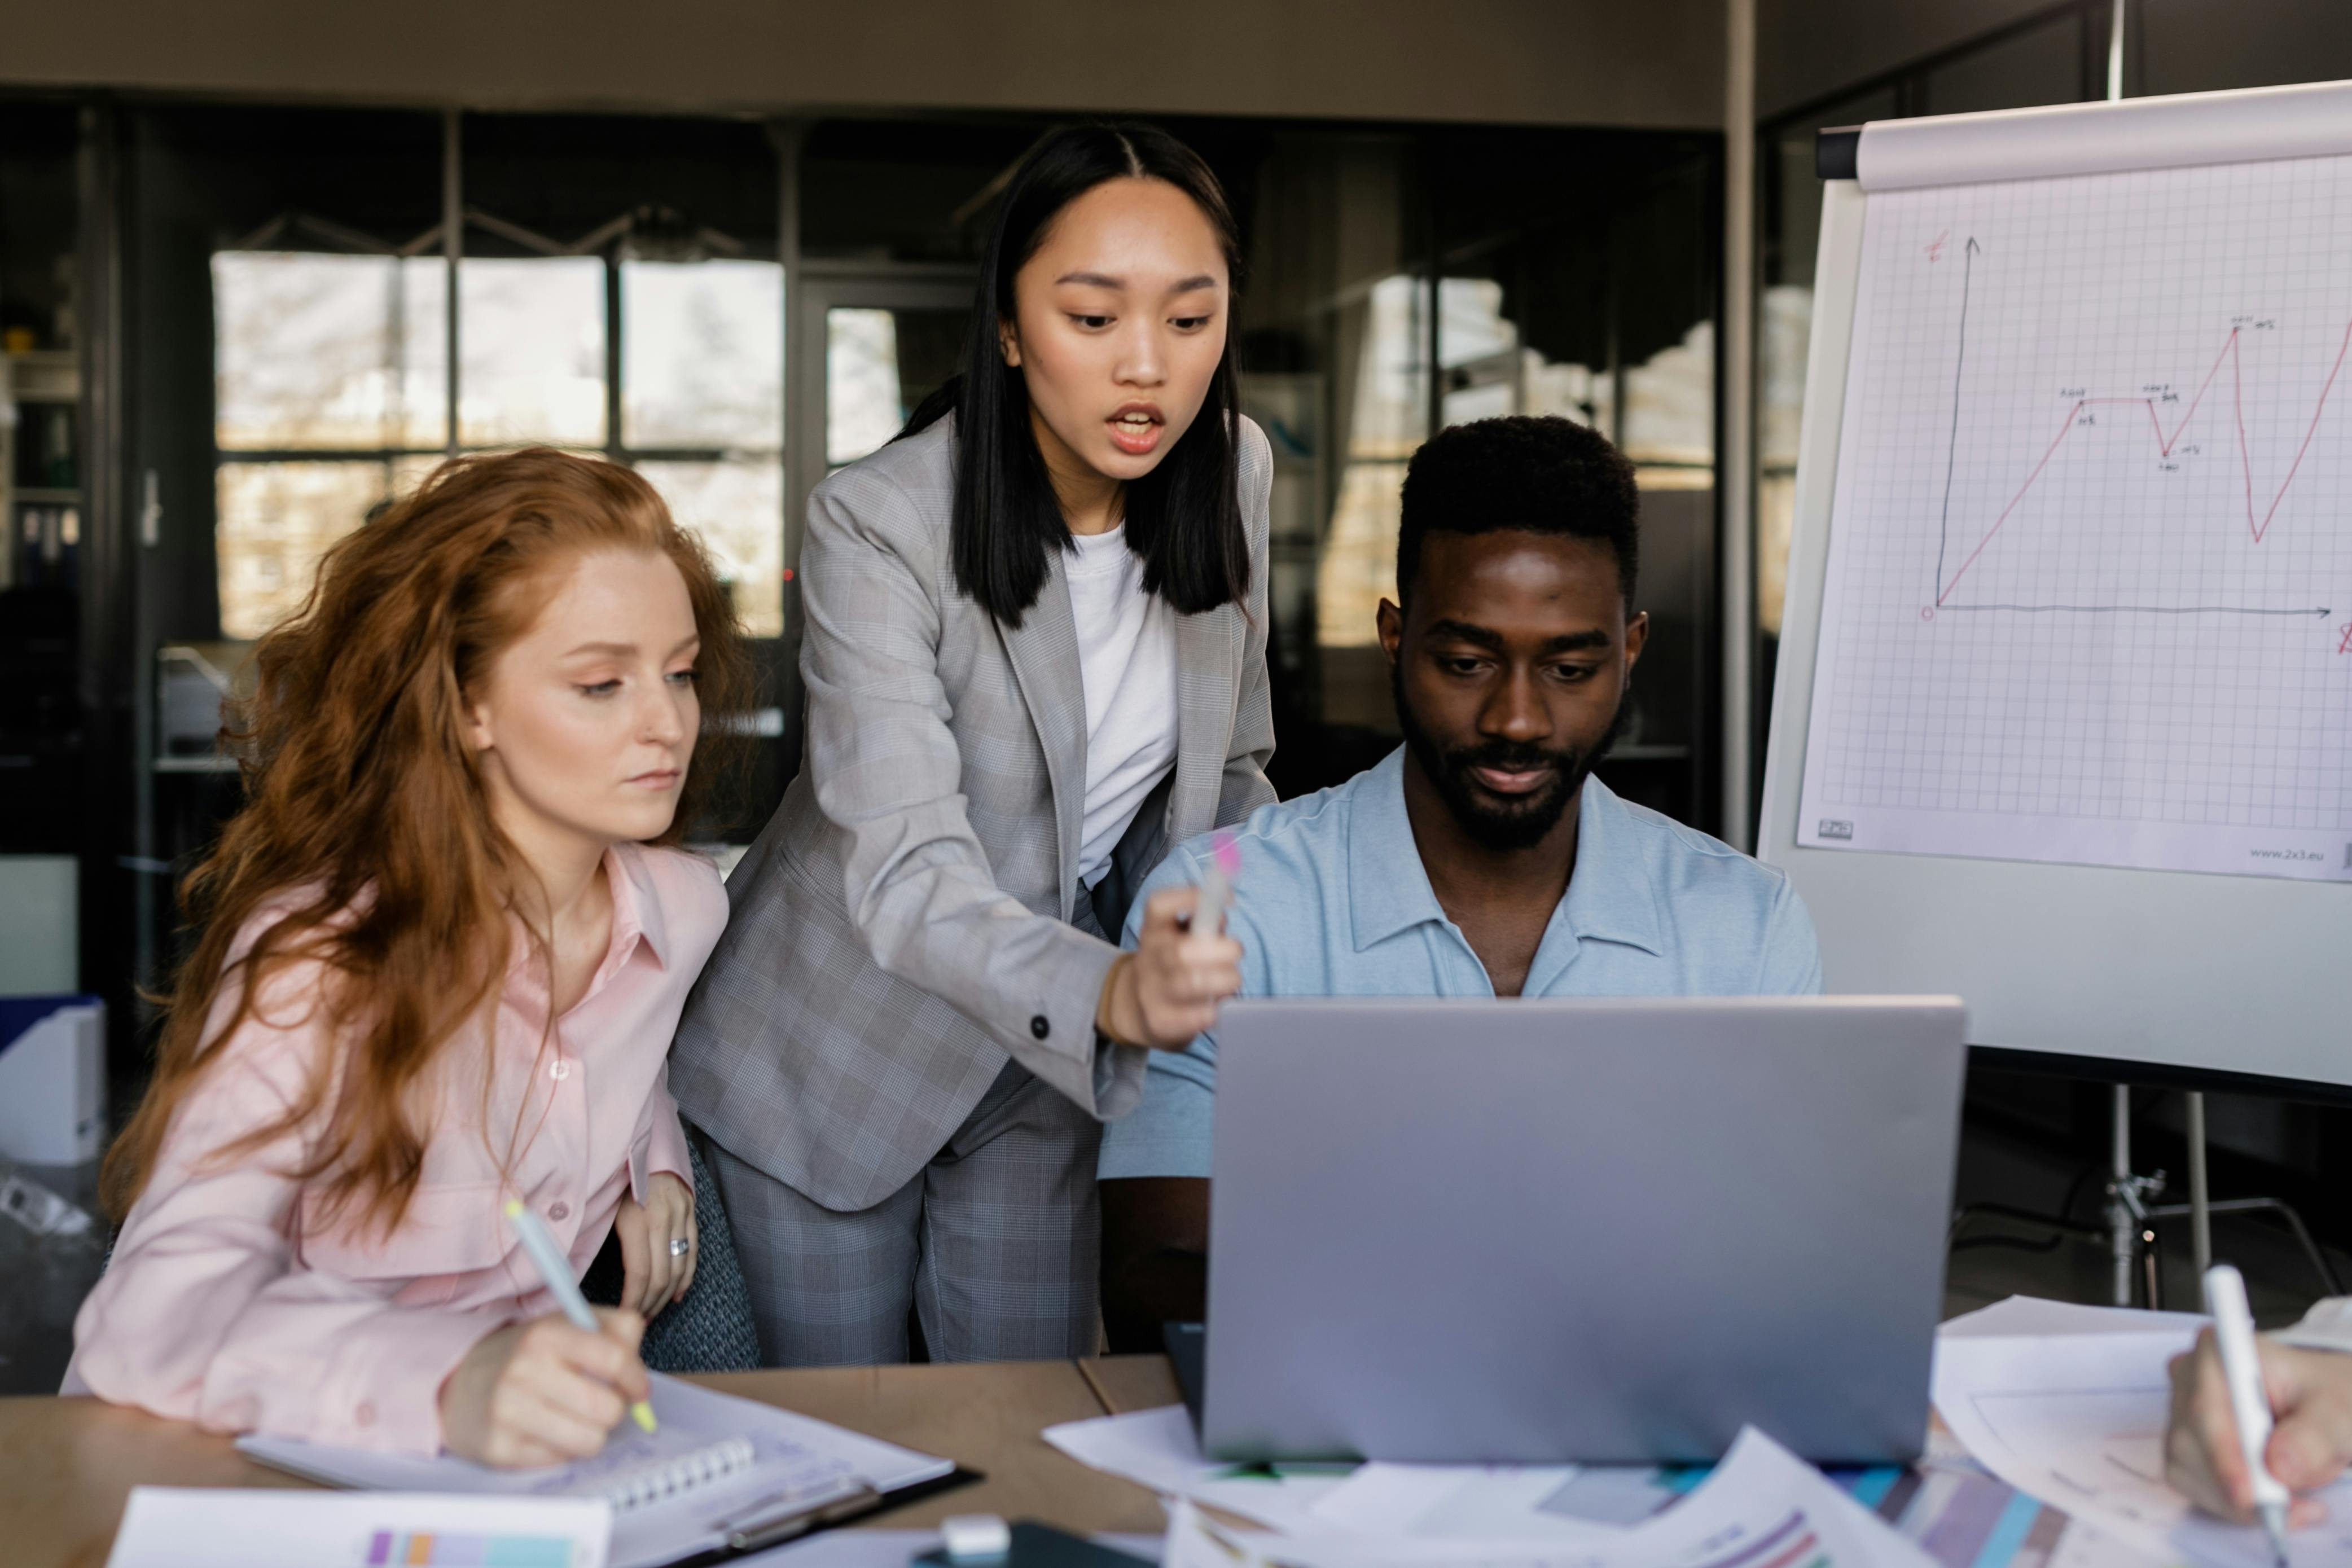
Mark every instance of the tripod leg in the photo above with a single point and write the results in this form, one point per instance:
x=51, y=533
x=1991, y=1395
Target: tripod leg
x=2200, y=1213
x=2122, y=1223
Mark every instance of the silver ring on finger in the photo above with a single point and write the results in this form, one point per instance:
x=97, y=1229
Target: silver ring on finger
x=679, y=1246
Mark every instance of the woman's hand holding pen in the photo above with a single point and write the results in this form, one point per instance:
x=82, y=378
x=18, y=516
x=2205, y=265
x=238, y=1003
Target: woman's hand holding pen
x=2310, y=1392
x=543, y=1391
x=1167, y=990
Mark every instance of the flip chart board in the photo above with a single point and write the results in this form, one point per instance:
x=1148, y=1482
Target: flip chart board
x=2064, y=713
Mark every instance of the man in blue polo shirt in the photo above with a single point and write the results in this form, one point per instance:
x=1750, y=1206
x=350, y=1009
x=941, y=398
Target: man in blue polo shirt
x=1479, y=859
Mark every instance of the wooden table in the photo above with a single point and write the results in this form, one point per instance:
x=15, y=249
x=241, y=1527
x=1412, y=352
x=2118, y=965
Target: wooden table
x=67, y=1466
x=1125, y=1382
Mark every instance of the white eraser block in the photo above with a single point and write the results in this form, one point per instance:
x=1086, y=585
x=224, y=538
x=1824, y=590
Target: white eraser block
x=975, y=1537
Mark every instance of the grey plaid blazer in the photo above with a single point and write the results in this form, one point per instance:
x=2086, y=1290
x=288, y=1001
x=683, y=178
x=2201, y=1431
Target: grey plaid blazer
x=902, y=925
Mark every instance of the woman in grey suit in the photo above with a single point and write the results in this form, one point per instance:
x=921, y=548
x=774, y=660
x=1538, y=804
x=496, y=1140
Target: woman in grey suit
x=1034, y=657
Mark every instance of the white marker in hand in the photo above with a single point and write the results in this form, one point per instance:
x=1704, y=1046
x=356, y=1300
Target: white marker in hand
x=2241, y=1369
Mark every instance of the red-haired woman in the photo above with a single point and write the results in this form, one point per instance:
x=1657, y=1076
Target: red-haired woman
x=441, y=959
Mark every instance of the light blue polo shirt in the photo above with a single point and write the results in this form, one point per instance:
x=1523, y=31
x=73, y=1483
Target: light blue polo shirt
x=1331, y=901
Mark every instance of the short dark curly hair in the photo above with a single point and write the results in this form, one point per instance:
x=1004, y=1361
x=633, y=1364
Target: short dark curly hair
x=1536, y=473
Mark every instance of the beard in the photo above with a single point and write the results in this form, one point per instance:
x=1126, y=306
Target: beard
x=1520, y=823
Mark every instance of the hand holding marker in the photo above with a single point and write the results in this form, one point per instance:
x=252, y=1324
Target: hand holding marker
x=556, y=1269
x=1165, y=990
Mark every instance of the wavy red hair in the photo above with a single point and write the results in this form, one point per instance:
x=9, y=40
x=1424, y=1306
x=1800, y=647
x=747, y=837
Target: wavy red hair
x=365, y=843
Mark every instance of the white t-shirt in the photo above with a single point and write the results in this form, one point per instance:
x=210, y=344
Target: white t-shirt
x=1127, y=655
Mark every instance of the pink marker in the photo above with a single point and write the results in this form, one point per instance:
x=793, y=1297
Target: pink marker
x=1217, y=883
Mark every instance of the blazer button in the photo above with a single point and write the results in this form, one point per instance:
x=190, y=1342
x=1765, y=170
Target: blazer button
x=1039, y=1027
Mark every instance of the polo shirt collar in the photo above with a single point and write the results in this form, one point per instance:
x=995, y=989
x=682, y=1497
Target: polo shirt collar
x=1388, y=889
x=1610, y=895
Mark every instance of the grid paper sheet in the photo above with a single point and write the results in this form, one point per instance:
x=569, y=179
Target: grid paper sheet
x=2090, y=574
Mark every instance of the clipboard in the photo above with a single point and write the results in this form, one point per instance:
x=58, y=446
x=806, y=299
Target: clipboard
x=760, y=1532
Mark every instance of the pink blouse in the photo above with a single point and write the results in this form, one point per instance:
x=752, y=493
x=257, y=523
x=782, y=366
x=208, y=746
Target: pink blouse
x=222, y=1306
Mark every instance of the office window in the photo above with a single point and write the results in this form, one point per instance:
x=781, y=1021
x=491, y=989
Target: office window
x=863, y=405
x=531, y=354
x=1387, y=418
x=734, y=505
x=702, y=346
x=1402, y=282
x=611, y=300
x=701, y=367
x=329, y=352
x=330, y=395
x=331, y=385
x=277, y=519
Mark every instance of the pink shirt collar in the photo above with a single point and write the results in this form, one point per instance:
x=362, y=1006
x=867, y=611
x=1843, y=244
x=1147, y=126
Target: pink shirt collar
x=636, y=920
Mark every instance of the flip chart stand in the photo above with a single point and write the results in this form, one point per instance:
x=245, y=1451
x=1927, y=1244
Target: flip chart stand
x=2130, y=1240
x=2131, y=1236
x=2127, y=1222
x=2128, y=1217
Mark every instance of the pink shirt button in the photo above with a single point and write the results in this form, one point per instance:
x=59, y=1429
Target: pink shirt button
x=561, y=1211
x=559, y=1071
x=365, y=1414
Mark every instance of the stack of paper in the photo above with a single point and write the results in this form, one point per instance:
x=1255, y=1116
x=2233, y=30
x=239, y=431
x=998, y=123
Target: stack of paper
x=1534, y=1515
x=1761, y=1508
x=1965, y=1504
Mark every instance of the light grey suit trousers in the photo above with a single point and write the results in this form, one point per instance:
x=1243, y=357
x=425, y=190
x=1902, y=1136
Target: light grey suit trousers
x=893, y=1047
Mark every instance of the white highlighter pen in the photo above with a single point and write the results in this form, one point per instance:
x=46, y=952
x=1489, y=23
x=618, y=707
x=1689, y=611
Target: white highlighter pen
x=2233, y=1335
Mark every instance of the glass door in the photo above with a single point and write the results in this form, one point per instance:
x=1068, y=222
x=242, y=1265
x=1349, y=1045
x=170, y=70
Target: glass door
x=874, y=345
x=867, y=345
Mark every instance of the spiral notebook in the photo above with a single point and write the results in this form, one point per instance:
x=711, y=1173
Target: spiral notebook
x=722, y=1474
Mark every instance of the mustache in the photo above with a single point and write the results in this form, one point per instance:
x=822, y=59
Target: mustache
x=1506, y=758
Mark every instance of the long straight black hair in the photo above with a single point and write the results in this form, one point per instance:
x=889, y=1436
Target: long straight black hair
x=1184, y=517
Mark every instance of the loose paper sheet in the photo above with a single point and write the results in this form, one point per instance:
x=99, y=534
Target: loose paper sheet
x=2078, y=1421
x=1761, y=1508
x=1158, y=1448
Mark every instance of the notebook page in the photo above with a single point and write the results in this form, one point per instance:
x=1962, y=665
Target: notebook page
x=797, y=1462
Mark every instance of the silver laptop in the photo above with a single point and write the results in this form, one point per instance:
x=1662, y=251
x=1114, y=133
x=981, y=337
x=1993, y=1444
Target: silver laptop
x=1586, y=1231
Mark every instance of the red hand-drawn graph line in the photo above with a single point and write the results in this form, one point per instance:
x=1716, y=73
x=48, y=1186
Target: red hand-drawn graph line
x=2257, y=528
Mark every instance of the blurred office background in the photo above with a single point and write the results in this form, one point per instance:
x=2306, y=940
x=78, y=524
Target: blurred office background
x=263, y=265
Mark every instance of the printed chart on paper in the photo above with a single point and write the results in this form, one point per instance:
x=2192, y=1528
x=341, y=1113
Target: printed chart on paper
x=2090, y=575
x=2078, y=1421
